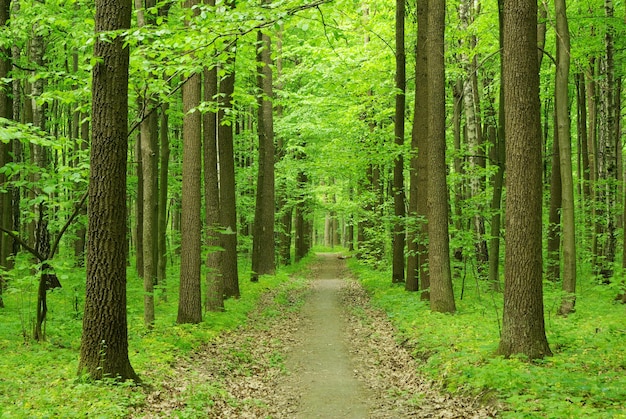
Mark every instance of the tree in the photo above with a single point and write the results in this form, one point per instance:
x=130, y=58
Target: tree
x=417, y=277
x=399, y=229
x=6, y=111
x=190, y=294
x=523, y=329
x=228, y=199
x=104, y=345
x=565, y=150
x=441, y=293
x=148, y=147
x=263, y=259
x=215, y=286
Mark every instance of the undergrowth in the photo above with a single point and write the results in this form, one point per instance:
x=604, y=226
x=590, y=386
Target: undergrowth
x=586, y=377
x=39, y=379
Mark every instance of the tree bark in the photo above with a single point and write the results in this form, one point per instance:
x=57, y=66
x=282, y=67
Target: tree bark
x=399, y=226
x=417, y=261
x=263, y=254
x=523, y=329
x=565, y=150
x=104, y=345
x=215, y=286
x=190, y=294
x=228, y=209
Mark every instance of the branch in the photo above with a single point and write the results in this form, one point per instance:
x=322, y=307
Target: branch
x=24, y=244
x=67, y=224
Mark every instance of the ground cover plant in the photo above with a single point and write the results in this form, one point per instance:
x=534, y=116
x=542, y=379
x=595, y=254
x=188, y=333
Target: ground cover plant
x=38, y=379
x=584, y=378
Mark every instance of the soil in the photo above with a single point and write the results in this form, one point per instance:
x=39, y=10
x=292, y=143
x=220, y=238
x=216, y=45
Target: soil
x=326, y=353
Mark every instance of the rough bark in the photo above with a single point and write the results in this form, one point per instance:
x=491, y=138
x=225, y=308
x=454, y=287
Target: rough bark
x=263, y=255
x=104, y=345
x=441, y=293
x=523, y=329
x=190, y=294
x=417, y=272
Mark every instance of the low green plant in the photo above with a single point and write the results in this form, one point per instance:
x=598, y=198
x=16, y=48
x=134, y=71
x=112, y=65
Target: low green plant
x=39, y=379
x=584, y=378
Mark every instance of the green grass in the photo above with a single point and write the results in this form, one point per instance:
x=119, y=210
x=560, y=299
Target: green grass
x=586, y=377
x=39, y=380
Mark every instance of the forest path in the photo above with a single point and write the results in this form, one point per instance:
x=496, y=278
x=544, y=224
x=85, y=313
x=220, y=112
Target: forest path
x=322, y=366
x=314, y=349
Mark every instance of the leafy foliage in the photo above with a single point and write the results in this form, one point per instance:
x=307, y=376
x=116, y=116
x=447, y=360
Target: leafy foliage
x=584, y=378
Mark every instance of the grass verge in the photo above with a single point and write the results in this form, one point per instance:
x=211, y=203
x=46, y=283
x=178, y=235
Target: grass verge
x=39, y=379
x=586, y=377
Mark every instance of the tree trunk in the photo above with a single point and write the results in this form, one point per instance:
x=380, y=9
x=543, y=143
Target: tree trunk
x=417, y=270
x=523, y=329
x=441, y=293
x=553, y=265
x=474, y=141
x=565, y=150
x=228, y=209
x=263, y=255
x=149, y=148
x=399, y=226
x=164, y=157
x=190, y=294
x=6, y=111
x=104, y=345
x=215, y=286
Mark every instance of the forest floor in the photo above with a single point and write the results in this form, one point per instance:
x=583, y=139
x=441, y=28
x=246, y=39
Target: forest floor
x=314, y=351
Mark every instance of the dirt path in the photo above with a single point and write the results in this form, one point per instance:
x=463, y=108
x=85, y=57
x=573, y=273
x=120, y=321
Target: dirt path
x=322, y=364
x=318, y=351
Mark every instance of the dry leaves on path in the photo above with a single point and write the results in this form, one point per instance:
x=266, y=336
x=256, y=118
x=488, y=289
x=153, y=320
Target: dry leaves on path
x=244, y=375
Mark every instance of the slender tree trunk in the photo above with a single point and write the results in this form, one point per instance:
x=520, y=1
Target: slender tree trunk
x=441, y=293
x=523, y=329
x=149, y=148
x=474, y=140
x=104, y=345
x=164, y=157
x=565, y=151
x=228, y=211
x=6, y=111
x=553, y=265
x=399, y=226
x=263, y=257
x=418, y=275
x=215, y=286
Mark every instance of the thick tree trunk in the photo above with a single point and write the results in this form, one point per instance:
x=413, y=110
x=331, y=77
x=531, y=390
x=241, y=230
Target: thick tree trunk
x=190, y=294
x=263, y=257
x=441, y=293
x=523, y=329
x=104, y=345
